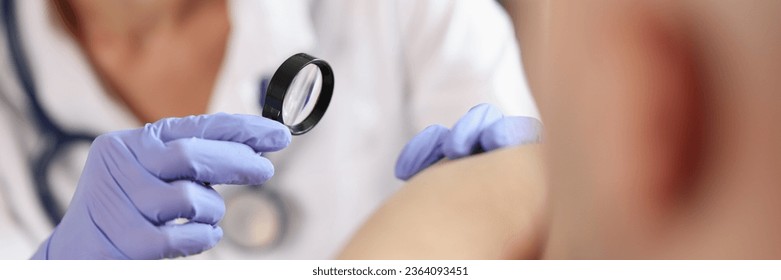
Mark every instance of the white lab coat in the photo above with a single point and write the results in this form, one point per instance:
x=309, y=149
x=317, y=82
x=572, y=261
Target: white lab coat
x=399, y=66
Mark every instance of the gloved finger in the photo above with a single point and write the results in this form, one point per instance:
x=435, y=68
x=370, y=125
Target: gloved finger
x=107, y=214
x=157, y=200
x=121, y=229
x=212, y=161
x=182, y=199
x=261, y=134
x=421, y=152
x=188, y=239
x=511, y=131
x=463, y=139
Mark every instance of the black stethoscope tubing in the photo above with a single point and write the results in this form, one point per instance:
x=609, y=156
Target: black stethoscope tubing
x=57, y=139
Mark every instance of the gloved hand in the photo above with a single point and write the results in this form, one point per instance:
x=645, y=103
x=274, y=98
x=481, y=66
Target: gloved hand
x=136, y=181
x=483, y=128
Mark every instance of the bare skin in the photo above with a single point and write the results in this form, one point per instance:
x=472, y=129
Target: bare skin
x=161, y=58
x=489, y=206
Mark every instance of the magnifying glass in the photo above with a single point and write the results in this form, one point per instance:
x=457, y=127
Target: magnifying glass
x=299, y=93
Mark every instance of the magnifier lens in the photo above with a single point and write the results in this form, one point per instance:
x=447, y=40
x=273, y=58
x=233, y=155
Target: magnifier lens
x=302, y=95
x=299, y=93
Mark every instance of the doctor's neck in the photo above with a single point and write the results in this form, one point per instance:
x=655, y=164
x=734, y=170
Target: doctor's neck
x=121, y=18
x=160, y=58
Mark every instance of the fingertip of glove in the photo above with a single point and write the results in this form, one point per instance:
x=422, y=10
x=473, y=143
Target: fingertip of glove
x=214, y=237
x=269, y=135
x=402, y=174
x=420, y=152
x=281, y=138
x=465, y=135
x=218, y=234
x=263, y=172
x=269, y=172
x=511, y=131
x=434, y=130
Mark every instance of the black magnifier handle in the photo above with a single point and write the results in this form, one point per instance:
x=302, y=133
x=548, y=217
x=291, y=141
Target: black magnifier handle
x=281, y=82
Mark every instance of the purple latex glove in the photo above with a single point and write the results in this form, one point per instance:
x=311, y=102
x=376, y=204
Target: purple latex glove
x=136, y=181
x=483, y=128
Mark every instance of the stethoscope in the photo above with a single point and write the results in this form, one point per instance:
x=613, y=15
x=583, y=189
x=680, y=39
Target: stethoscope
x=285, y=98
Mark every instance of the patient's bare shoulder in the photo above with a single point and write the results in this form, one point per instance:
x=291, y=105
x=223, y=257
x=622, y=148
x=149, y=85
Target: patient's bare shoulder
x=488, y=206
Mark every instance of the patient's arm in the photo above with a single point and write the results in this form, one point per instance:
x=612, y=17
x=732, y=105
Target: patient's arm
x=488, y=206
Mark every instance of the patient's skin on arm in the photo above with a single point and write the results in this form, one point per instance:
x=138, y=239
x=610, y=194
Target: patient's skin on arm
x=488, y=206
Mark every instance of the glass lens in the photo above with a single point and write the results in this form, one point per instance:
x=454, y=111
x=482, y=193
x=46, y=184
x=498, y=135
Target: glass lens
x=302, y=95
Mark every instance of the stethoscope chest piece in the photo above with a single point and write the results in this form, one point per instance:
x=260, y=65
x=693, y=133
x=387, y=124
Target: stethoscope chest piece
x=255, y=217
